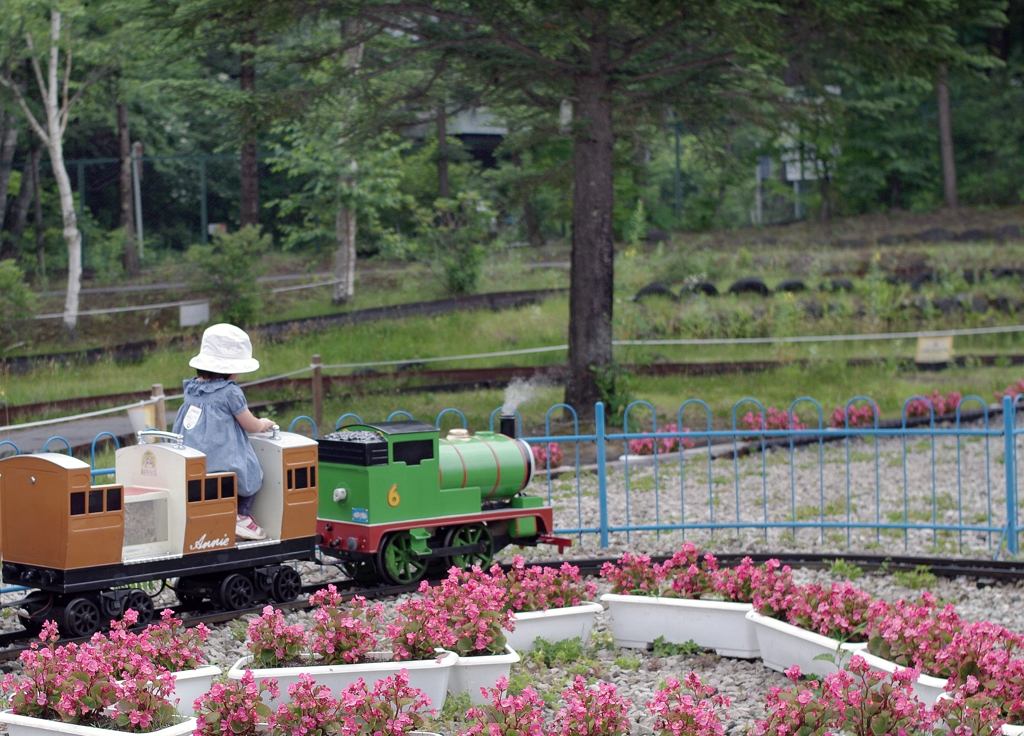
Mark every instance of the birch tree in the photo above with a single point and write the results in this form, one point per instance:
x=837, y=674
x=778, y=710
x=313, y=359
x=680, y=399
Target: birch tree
x=57, y=100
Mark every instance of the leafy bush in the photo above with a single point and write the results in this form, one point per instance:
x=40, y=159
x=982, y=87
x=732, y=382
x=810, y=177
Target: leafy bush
x=17, y=302
x=454, y=236
x=227, y=270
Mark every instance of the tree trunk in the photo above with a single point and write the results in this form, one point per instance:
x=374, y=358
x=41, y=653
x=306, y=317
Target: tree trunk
x=8, y=142
x=250, y=177
x=344, y=255
x=72, y=236
x=40, y=249
x=124, y=191
x=442, y=154
x=593, y=245
x=533, y=233
x=946, y=141
x=19, y=212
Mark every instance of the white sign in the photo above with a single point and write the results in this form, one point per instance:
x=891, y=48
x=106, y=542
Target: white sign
x=197, y=313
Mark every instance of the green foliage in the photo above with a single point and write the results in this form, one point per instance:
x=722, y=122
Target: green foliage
x=844, y=570
x=227, y=270
x=615, y=384
x=17, y=302
x=557, y=654
x=637, y=228
x=630, y=664
x=916, y=579
x=664, y=648
x=453, y=236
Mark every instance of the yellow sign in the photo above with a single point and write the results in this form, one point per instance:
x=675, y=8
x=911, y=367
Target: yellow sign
x=934, y=349
x=393, y=498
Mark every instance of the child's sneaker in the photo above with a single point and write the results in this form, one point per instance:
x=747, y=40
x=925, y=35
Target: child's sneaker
x=247, y=528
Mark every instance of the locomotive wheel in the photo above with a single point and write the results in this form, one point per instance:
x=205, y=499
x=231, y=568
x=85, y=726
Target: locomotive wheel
x=140, y=602
x=462, y=536
x=235, y=592
x=81, y=618
x=287, y=585
x=396, y=560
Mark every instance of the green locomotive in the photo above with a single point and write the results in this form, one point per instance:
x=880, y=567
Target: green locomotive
x=396, y=498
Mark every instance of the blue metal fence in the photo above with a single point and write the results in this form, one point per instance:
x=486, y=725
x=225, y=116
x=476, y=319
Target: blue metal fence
x=934, y=487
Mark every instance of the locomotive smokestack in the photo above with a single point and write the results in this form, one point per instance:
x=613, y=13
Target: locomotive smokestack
x=507, y=425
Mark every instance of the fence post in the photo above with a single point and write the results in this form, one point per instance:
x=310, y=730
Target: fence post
x=602, y=479
x=160, y=407
x=1010, y=458
x=318, y=391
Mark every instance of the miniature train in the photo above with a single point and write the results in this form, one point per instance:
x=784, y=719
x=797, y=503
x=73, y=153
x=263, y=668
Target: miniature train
x=389, y=501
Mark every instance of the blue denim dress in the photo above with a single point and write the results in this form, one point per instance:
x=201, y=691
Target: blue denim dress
x=207, y=421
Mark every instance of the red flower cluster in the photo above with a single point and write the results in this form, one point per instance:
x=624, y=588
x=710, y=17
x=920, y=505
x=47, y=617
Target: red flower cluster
x=859, y=416
x=777, y=419
x=940, y=404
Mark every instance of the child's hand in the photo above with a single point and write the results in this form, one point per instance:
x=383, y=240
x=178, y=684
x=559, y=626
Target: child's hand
x=266, y=425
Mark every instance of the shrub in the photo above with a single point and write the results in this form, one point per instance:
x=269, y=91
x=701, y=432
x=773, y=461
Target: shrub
x=17, y=302
x=632, y=574
x=227, y=270
x=272, y=642
x=855, y=701
x=1013, y=390
x=234, y=707
x=777, y=420
x=453, y=235
x=912, y=634
x=859, y=416
x=645, y=445
x=920, y=407
x=688, y=708
x=465, y=614
x=592, y=712
x=539, y=588
x=338, y=637
x=309, y=711
x=541, y=455
x=689, y=575
x=839, y=611
x=507, y=714
x=772, y=589
x=389, y=708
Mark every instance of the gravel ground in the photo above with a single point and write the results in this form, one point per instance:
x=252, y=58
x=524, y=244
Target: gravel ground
x=637, y=674
x=813, y=486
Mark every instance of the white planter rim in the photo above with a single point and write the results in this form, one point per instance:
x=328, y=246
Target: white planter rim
x=187, y=725
x=889, y=666
x=816, y=638
x=689, y=602
x=510, y=657
x=209, y=670
x=443, y=659
x=556, y=612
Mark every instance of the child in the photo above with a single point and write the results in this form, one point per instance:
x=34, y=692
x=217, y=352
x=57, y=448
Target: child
x=215, y=417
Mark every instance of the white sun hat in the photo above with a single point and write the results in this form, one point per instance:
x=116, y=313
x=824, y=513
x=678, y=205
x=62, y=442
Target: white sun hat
x=225, y=349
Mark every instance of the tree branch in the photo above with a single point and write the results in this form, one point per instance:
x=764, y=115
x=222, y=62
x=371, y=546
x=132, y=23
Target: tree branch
x=33, y=123
x=94, y=77
x=672, y=69
x=635, y=48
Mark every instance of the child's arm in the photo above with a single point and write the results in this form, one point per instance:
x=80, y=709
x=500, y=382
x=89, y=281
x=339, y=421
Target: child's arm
x=250, y=423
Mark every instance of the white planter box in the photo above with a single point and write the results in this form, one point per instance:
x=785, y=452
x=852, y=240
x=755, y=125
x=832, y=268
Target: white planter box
x=472, y=673
x=554, y=624
x=927, y=688
x=1009, y=730
x=191, y=684
x=784, y=645
x=28, y=726
x=638, y=620
x=429, y=675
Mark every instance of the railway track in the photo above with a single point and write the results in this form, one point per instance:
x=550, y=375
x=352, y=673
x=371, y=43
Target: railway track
x=985, y=572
